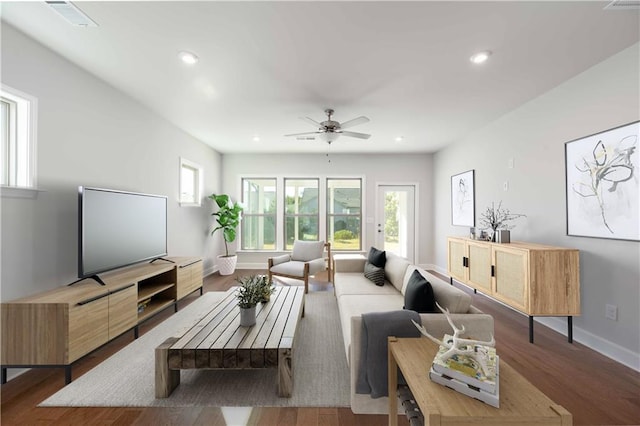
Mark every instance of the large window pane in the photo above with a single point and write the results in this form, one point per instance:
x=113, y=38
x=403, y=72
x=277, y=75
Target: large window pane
x=303, y=228
x=344, y=232
x=258, y=231
x=344, y=213
x=301, y=210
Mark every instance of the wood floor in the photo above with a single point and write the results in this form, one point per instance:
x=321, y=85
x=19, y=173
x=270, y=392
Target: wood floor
x=596, y=390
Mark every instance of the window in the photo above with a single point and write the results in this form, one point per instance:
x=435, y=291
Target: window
x=344, y=213
x=18, y=128
x=300, y=210
x=190, y=183
x=259, y=200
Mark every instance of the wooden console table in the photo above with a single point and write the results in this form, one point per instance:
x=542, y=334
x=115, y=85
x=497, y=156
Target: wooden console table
x=535, y=279
x=57, y=327
x=521, y=403
x=218, y=341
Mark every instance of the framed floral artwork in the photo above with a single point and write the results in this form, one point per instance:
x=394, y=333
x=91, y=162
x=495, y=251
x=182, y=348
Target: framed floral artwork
x=602, y=184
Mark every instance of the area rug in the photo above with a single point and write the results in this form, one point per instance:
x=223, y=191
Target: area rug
x=321, y=375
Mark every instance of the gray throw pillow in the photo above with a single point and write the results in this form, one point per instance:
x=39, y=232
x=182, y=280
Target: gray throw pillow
x=374, y=274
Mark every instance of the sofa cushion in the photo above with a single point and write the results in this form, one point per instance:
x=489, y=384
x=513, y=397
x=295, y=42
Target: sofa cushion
x=446, y=295
x=377, y=257
x=307, y=250
x=355, y=283
x=350, y=305
x=395, y=269
x=418, y=295
x=374, y=273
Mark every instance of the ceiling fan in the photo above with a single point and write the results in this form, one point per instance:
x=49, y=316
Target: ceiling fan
x=331, y=130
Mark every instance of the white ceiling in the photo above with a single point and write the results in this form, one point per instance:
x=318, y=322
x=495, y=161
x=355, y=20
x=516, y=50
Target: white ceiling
x=405, y=65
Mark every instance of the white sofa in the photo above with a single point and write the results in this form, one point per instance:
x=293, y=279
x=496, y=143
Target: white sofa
x=357, y=295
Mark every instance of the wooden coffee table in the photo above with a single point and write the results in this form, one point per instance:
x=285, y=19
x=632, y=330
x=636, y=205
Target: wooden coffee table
x=218, y=341
x=521, y=403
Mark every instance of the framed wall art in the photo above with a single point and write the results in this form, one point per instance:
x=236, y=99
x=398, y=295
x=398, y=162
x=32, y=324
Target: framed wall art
x=463, y=200
x=602, y=184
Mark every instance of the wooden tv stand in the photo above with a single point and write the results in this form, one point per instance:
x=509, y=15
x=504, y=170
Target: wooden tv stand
x=57, y=327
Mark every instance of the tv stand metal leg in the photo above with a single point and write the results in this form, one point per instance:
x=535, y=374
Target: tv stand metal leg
x=570, y=328
x=4, y=375
x=531, y=329
x=136, y=332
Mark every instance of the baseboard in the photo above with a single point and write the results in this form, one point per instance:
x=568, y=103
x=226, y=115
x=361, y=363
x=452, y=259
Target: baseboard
x=210, y=271
x=261, y=265
x=609, y=349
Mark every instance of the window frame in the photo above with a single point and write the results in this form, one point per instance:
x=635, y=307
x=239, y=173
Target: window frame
x=198, y=178
x=329, y=215
x=246, y=215
x=22, y=126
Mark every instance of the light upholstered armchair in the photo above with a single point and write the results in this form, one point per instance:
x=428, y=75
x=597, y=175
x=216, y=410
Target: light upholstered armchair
x=307, y=258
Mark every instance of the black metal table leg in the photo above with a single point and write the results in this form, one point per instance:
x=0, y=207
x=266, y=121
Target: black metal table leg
x=530, y=329
x=136, y=332
x=4, y=375
x=67, y=374
x=570, y=328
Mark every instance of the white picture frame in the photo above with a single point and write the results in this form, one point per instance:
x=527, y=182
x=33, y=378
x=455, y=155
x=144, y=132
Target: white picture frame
x=463, y=199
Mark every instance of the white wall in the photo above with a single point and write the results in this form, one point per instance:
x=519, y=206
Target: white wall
x=89, y=134
x=605, y=96
x=413, y=168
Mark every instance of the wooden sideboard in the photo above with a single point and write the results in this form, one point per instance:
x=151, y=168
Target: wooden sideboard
x=59, y=326
x=535, y=279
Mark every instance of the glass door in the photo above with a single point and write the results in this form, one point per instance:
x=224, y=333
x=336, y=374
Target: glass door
x=395, y=220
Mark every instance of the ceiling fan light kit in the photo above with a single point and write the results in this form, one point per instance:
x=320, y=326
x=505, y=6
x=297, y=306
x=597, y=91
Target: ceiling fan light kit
x=330, y=130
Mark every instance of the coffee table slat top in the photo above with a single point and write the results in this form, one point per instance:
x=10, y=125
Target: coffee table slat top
x=220, y=331
x=520, y=401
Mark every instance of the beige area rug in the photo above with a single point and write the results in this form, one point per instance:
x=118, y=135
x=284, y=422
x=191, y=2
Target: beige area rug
x=321, y=375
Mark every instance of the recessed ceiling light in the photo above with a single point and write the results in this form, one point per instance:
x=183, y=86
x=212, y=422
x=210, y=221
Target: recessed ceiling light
x=480, y=57
x=188, y=57
x=256, y=138
x=399, y=138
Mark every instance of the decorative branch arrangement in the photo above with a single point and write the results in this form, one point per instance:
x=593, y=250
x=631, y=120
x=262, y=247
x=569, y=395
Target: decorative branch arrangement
x=455, y=346
x=497, y=218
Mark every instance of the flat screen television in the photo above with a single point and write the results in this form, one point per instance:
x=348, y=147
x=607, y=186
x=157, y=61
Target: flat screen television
x=119, y=228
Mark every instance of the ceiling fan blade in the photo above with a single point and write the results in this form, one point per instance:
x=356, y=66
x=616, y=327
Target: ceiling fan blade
x=356, y=135
x=311, y=121
x=303, y=134
x=354, y=122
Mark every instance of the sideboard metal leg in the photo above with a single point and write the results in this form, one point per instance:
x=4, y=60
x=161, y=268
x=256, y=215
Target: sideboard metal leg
x=451, y=280
x=4, y=375
x=67, y=374
x=136, y=332
x=570, y=328
x=475, y=291
x=531, y=329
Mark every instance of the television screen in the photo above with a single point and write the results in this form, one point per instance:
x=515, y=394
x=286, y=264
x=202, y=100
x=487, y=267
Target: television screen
x=118, y=228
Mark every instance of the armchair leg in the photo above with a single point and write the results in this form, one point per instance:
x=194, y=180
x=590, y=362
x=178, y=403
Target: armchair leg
x=306, y=284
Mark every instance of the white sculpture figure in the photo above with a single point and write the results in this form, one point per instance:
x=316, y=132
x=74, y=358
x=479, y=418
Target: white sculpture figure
x=455, y=345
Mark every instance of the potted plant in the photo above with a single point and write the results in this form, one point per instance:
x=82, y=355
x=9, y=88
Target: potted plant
x=250, y=292
x=497, y=218
x=267, y=288
x=228, y=218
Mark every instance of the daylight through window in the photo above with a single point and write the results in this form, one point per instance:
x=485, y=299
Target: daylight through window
x=344, y=213
x=259, y=200
x=301, y=210
x=18, y=128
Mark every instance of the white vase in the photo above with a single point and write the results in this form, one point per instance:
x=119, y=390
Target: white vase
x=227, y=264
x=248, y=316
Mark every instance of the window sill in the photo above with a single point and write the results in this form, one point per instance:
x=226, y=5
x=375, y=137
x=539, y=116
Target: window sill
x=184, y=204
x=19, y=192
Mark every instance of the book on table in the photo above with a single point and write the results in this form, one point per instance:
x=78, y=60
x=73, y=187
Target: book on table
x=467, y=369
